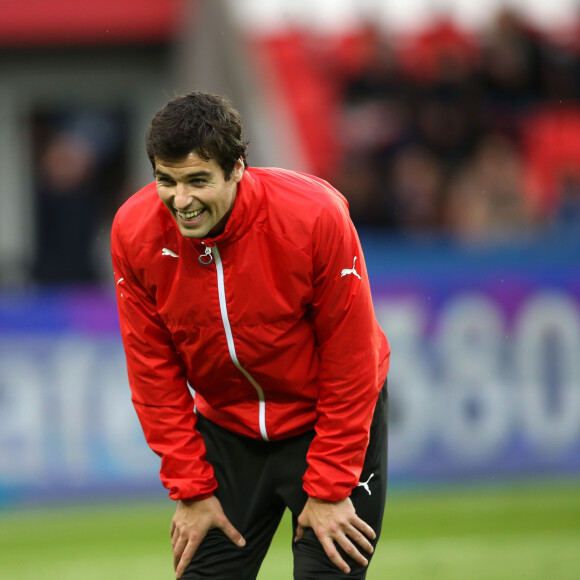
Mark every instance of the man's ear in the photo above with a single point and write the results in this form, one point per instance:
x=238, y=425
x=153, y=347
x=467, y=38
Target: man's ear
x=238, y=171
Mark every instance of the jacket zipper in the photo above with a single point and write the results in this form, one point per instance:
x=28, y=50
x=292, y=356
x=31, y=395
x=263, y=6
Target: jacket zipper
x=231, y=345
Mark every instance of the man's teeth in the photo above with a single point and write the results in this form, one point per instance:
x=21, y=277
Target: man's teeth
x=189, y=215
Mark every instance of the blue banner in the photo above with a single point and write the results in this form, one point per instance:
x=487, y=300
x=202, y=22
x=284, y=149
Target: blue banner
x=485, y=372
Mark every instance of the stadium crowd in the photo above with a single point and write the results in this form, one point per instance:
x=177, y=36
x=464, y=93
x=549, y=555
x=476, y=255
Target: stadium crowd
x=477, y=137
x=445, y=132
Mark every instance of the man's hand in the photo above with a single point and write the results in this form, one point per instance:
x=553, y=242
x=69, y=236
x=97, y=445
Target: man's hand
x=337, y=522
x=190, y=524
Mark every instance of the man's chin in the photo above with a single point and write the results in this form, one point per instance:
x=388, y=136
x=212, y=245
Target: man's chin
x=192, y=233
x=191, y=236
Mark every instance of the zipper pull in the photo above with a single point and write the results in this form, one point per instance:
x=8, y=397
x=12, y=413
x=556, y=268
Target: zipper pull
x=206, y=258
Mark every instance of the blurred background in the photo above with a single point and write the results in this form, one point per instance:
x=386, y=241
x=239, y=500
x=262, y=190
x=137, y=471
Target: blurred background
x=453, y=129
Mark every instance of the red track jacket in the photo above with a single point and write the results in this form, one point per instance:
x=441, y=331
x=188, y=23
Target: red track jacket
x=271, y=324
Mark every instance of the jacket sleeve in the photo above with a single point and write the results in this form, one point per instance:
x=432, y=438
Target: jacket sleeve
x=159, y=388
x=349, y=341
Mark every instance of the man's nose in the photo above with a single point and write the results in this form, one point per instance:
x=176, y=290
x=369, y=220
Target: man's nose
x=182, y=196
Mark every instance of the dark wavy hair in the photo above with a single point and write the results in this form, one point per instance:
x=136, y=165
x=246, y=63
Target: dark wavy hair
x=204, y=123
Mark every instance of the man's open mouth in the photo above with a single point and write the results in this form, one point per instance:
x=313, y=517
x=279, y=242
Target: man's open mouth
x=190, y=215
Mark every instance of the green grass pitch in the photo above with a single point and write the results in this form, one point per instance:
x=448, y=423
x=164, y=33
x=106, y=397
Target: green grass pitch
x=509, y=532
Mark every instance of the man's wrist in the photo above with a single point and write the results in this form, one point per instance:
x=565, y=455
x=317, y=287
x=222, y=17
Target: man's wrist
x=190, y=500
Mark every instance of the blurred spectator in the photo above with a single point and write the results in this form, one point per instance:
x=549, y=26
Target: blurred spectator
x=416, y=183
x=359, y=180
x=79, y=170
x=447, y=119
x=375, y=98
x=441, y=65
x=485, y=198
x=510, y=66
x=374, y=123
x=66, y=210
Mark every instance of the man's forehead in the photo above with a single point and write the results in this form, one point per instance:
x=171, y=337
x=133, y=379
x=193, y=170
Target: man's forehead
x=192, y=163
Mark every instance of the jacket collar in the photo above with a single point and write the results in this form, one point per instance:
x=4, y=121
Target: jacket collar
x=247, y=212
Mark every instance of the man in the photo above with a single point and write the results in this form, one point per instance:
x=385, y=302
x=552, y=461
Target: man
x=250, y=286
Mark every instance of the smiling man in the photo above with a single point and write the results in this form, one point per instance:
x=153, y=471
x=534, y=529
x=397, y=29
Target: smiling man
x=197, y=194
x=249, y=285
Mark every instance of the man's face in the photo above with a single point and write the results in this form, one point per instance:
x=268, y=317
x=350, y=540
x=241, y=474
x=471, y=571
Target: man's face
x=196, y=193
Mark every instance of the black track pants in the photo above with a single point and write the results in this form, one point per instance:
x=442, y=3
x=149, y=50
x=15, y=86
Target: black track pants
x=257, y=480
